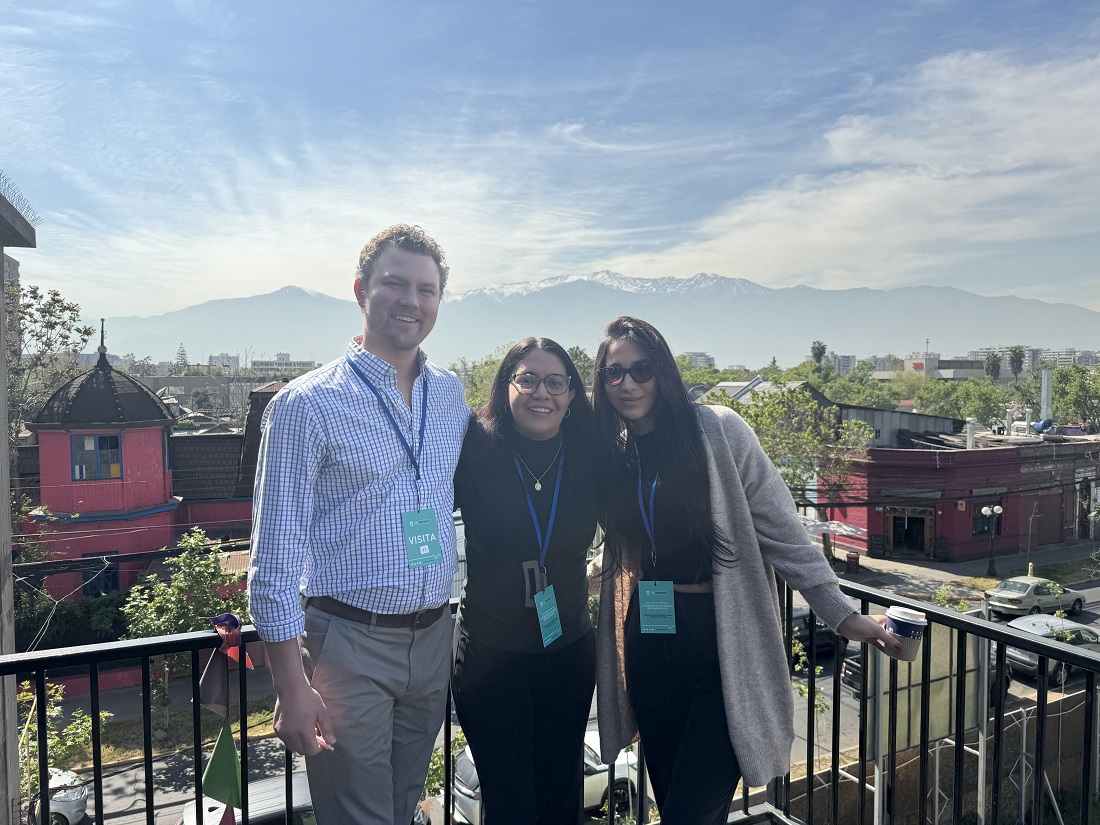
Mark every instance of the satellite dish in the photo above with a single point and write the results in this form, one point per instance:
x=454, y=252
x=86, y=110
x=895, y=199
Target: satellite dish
x=1044, y=425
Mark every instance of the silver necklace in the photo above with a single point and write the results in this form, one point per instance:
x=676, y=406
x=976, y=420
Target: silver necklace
x=538, y=478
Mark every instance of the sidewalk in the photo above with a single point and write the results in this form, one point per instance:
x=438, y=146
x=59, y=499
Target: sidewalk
x=918, y=575
x=126, y=702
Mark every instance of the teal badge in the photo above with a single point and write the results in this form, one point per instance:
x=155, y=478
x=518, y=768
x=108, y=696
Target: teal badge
x=656, y=607
x=549, y=621
x=422, y=537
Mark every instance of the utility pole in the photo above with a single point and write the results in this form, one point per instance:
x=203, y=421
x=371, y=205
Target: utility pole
x=17, y=222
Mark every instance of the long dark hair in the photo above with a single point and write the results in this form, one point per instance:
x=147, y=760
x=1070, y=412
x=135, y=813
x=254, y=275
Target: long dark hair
x=681, y=453
x=496, y=416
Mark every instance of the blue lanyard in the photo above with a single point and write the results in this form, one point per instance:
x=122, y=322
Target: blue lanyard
x=414, y=458
x=543, y=545
x=648, y=518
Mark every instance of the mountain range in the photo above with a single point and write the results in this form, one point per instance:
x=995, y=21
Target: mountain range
x=735, y=320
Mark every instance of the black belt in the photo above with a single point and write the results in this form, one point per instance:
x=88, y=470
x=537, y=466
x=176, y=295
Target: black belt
x=417, y=621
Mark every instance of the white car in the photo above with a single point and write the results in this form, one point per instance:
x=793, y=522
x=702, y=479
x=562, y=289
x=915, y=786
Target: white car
x=267, y=805
x=68, y=798
x=467, y=788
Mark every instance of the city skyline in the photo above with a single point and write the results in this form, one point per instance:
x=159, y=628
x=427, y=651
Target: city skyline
x=191, y=151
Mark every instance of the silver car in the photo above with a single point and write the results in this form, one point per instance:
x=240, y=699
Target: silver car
x=1079, y=635
x=467, y=788
x=1030, y=594
x=68, y=798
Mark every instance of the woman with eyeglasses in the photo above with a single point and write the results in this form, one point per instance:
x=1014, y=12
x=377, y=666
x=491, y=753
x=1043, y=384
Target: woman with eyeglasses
x=525, y=663
x=691, y=652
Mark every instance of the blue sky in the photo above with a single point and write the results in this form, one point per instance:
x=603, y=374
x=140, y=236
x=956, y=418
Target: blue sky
x=190, y=150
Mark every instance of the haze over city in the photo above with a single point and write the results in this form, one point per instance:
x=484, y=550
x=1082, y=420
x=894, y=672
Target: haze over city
x=190, y=151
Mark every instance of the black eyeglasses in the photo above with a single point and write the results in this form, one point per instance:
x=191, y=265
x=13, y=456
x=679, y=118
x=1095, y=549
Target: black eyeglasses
x=642, y=373
x=528, y=382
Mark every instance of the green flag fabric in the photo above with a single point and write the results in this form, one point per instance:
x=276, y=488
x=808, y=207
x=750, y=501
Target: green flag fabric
x=222, y=778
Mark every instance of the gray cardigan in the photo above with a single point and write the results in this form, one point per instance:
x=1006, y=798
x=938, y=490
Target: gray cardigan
x=754, y=510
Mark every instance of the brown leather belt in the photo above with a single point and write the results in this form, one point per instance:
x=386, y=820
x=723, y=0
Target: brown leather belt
x=417, y=621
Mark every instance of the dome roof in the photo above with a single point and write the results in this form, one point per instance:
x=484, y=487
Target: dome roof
x=102, y=396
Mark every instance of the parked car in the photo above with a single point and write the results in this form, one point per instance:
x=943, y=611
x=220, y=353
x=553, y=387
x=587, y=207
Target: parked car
x=851, y=676
x=68, y=798
x=824, y=637
x=1021, y=595
x=267, y=805
x=1079, y=635
x=467, y=787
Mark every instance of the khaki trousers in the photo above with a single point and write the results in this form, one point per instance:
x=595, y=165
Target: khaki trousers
x=386, y=693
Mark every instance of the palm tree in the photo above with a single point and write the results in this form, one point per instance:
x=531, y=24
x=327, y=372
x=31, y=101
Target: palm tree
x=993, y=365
x=817, y=351
x=1016, y=362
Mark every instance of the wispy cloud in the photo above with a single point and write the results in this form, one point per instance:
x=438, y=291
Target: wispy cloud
x=970, y=152
x=190, y=151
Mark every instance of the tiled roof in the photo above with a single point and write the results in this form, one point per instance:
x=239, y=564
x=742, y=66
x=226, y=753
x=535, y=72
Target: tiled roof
x=101, y=396
x=205, y=467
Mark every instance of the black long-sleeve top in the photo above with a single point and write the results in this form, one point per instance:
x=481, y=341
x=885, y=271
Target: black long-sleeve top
x=500, y=535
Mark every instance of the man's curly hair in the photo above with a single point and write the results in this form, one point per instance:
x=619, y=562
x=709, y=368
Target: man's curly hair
x=405, y=237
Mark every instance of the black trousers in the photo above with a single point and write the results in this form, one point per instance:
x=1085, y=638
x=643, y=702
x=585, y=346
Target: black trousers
x=676, y=694
x=524, y=716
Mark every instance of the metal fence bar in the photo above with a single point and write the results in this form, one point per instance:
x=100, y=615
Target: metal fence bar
x=147, y=735
x=97, y=744
x=40, y=690
x=1040, y=741
x=1087, y=744
x=811, y=697
x=998, y=734
x=861, y=798
x=925, y=714
x=834, y=790
x=196, y=727
x=891, y=739
x=242, y=686
x=960, y=722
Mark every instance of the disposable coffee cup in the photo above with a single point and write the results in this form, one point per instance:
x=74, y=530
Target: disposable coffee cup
x=907, y=626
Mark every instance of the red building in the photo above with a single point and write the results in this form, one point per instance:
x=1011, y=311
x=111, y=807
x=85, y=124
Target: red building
x=928, y=502
x=113, y=481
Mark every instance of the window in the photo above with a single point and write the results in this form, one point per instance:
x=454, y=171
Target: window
x=96, y=457
x=981, y=523
x=101, y=580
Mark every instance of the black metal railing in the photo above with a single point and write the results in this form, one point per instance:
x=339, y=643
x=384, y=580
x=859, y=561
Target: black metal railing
x=904, y=707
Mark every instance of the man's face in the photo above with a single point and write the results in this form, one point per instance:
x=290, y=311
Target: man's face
x=400, y=301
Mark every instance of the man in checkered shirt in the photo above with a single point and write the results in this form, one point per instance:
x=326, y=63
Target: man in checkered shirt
x=353, y=544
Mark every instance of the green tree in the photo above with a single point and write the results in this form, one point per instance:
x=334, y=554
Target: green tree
x=139, y=367
x=584, y=364
x=819, y=375
x=993, y=365
x=477, y=376
x=1076, y=393
x=44, y=352
x=196, y=588
x=860, y=373
x=770, y=371
x=817, y=351
x=179, y=366
x=804, y=440
x=1016, y=362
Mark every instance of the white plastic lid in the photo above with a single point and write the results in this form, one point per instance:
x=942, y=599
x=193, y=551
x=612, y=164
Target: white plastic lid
x=905, y=614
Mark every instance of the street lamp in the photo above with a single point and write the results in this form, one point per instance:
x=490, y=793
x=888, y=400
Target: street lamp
x=990, y=513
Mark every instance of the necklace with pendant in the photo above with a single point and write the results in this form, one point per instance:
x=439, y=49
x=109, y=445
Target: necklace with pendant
x=538, y=478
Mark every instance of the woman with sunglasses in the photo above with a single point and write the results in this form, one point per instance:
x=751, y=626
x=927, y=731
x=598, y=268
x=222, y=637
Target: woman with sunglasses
x=691, y=653
x=525, y=664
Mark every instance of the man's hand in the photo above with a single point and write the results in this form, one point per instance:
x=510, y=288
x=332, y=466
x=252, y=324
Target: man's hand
x=301, y=721
x=869, y=629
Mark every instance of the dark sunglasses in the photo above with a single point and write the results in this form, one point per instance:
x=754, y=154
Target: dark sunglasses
x=642, y=372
